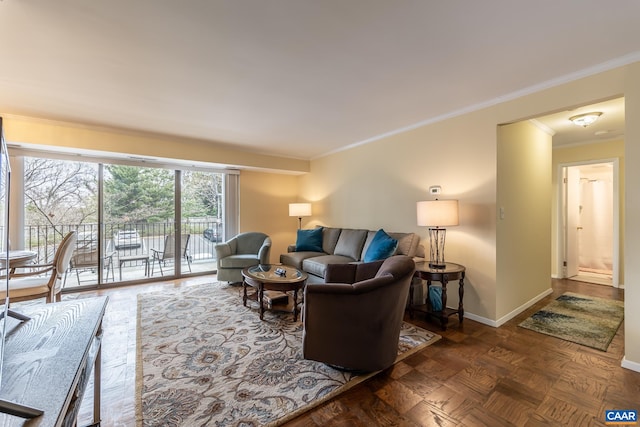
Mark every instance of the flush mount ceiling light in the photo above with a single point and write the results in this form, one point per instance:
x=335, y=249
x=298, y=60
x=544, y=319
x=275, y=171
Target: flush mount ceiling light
x=586, y=119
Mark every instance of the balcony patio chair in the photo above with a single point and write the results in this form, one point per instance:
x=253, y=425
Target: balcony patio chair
x=86, y=258
x=42, y=280
x=168, y=252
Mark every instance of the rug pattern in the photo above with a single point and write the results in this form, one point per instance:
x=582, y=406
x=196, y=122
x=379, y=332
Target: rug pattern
x=585, y=320
x=205, y=359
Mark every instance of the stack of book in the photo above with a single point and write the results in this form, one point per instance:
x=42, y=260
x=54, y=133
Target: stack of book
x=275, y=298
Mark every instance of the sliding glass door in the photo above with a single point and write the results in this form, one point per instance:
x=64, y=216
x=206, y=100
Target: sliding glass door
x=139, y=218
x=201, y=208
x=133, y=222
x=62, y=196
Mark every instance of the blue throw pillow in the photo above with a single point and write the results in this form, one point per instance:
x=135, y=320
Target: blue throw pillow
x=382, y=246
x=309, y=240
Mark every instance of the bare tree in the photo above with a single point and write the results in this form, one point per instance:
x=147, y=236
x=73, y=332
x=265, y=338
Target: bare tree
x=60, y=192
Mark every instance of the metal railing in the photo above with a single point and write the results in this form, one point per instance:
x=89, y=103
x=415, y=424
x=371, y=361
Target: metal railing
x=125, y=239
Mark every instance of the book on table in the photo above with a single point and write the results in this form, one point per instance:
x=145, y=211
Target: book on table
x=275, y=297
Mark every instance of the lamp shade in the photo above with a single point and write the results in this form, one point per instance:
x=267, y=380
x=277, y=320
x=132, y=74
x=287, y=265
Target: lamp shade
x=437, y=213
x=299, y=209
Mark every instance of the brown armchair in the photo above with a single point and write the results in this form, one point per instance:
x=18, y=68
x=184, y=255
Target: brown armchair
x=355, y=325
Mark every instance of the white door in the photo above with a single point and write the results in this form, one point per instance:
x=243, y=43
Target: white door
x=573, y=220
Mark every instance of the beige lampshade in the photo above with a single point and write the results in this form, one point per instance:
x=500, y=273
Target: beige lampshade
x=437, y=213
x=299, y=209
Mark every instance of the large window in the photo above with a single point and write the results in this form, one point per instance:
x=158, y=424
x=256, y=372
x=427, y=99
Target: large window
x=133, y=222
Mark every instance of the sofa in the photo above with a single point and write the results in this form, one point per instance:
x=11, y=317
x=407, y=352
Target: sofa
x=353, y=321
x=344, y=246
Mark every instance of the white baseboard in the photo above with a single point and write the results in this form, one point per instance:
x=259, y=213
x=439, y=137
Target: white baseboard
x=523, y=307
x=481, y=319
x=514, y=313
x=634, y=366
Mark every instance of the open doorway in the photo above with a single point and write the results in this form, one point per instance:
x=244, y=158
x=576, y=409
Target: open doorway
x=590, y=215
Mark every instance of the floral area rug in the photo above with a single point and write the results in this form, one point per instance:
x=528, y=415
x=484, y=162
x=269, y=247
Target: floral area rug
x=585, y=320
x=203, y=359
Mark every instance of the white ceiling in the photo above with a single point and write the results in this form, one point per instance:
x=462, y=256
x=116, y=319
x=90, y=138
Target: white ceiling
x=610, y=125
x=298, y=78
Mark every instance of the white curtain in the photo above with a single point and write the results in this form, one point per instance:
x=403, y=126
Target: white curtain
x=596, y=220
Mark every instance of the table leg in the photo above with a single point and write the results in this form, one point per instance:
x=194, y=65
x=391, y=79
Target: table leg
x=411, y=300
x=260, y=302
x=97, y=381
x=443, y=314
x=295, y=304
x=244, y=292
x=460, y=296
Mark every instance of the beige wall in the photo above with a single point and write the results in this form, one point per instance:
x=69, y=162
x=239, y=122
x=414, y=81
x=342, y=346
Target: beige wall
x=586, y=153
x=523, y=271
x=73, y=136
x=632, y=218
x=264, y=206
x=377, y=185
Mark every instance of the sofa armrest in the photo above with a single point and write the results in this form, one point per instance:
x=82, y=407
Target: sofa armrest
x=263, y=252
x=291, y=248
x=340, y=273
x=223, y=250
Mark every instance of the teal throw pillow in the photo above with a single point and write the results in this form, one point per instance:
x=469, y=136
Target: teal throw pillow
x=382, y=246
x=309, y=240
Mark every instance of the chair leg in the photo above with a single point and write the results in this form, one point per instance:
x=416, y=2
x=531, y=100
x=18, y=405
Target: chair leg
x=106, y=278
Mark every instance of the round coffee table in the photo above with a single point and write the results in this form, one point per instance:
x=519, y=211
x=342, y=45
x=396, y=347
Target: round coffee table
x=273, y=277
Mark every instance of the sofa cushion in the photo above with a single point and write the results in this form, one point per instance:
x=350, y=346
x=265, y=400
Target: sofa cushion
x=295, y=259
x=382, y=246
x=330, y=239
x=318, y=265
x=408, y=244
x=238, y=261
x=350, y=243
x=309, y=240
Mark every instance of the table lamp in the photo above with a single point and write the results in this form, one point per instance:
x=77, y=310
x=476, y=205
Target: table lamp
x=299, y=210
x=436, y=214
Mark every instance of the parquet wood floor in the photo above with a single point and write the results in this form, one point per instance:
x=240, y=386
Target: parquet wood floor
x=475, y=376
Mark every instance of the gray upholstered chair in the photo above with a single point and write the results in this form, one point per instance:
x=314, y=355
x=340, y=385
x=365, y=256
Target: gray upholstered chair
x=355, y=325
x=243, y=250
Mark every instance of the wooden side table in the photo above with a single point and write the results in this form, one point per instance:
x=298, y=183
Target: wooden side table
x=263, y=277
x=450, y=272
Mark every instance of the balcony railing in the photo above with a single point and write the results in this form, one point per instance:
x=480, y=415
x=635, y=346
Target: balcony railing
x=126, y=240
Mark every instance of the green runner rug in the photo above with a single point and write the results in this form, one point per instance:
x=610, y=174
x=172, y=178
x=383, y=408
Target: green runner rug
x=581, y=319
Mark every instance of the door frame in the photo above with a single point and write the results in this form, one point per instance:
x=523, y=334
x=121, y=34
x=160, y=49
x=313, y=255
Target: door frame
x=562, y=217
